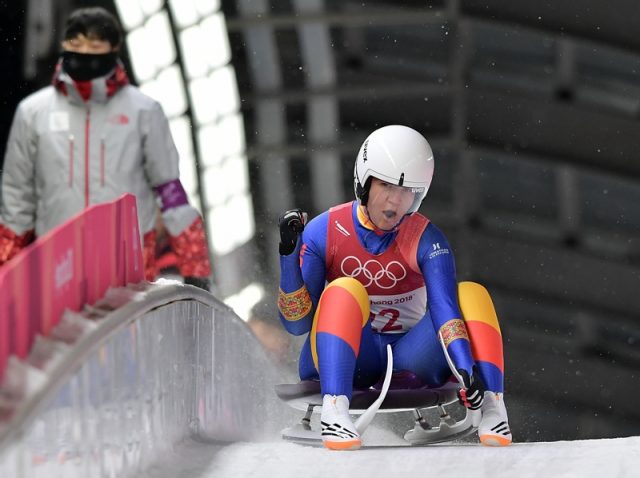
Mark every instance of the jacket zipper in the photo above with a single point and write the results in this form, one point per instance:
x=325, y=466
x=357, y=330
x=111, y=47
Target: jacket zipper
x=87, y=131
x=102, y=151
x=71, y=145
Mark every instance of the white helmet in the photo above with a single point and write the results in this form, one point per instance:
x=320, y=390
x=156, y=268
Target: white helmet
x=398, y=155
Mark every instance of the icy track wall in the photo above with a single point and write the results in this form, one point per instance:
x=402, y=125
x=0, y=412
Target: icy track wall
x=163, y=362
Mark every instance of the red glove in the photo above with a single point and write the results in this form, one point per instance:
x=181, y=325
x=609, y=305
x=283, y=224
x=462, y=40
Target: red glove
x=192, y=251
x=11, y=243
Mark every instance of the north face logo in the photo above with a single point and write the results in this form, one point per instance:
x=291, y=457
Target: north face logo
x=119, y=119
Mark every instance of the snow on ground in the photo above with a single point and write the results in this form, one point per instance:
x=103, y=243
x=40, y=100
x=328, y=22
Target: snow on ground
x=608, y=458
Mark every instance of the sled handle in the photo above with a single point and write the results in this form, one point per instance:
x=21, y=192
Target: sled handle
x=364, y=420
x=476, y=415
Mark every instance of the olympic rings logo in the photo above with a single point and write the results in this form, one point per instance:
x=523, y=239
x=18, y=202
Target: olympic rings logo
x=373, y=272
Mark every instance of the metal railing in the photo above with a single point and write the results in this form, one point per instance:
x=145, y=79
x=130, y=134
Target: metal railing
x=121, y=383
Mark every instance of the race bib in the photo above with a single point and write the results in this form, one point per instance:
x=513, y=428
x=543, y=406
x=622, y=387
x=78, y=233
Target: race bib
x=395, y=314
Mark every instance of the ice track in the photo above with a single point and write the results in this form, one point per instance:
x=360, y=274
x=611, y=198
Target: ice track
x=589, y=458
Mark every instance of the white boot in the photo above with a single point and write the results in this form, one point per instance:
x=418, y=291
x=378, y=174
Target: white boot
x=494, y=426
x=338, y=431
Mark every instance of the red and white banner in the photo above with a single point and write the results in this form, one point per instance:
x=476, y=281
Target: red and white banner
x=70, y=266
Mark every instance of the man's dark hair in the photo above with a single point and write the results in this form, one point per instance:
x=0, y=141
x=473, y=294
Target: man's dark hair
x=94, y=22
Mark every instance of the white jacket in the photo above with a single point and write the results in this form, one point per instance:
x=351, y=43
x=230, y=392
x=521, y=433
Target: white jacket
x=64, y=154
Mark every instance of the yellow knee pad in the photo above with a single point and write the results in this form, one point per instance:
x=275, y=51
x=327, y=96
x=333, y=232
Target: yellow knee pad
x=476, y=304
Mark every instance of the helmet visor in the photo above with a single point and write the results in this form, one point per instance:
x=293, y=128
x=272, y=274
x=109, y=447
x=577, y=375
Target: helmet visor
x=404, y=193
x=388, y=203
x=418, y=195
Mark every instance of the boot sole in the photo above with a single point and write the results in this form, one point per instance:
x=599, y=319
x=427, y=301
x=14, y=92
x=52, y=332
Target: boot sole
x=342, y=445
x=495, y=440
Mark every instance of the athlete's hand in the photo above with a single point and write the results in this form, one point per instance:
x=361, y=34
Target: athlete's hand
x=472, y=395
x=291, y=225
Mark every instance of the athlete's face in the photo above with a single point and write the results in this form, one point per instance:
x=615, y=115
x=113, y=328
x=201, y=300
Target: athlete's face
x=388, y=203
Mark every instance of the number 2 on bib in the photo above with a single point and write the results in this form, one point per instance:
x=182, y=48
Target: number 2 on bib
x=391, y=316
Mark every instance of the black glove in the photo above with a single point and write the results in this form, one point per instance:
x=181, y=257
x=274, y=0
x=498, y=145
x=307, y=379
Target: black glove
x=291, y=225
x=472, y=395
x=200, y=282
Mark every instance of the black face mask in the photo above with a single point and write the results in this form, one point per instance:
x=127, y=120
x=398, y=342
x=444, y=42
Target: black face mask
x=87, y=66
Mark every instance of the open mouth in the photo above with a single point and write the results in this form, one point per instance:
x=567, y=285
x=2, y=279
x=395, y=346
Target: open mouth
x=389, y=214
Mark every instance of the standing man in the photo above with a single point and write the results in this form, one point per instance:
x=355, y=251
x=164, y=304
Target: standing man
x=87, y=139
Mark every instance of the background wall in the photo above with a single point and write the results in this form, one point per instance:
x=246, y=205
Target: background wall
x=532, y=111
